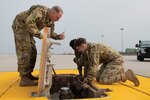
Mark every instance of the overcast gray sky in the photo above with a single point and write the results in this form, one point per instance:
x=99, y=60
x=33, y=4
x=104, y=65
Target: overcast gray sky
x=84, y=18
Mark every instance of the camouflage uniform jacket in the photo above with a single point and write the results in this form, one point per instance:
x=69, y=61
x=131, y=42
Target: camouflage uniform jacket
x=77, y=54
x=98, y=53
x=34, y=20
x=77, y=57
x=80, y=58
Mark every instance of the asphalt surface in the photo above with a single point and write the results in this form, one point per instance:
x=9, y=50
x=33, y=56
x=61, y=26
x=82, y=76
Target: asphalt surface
x=9, y=63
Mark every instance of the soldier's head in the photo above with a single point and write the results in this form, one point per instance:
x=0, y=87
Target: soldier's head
x=81, y=45
x=55, y=13
x=72, y=42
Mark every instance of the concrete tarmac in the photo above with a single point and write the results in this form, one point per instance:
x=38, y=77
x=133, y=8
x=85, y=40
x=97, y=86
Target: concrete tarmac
x=9, y=63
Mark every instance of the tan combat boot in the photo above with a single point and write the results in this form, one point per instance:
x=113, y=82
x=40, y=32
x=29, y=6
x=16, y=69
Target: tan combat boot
x=26, y=81
x=129, y=75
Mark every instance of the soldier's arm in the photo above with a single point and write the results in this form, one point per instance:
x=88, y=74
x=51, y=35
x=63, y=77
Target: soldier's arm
x=80, y=70
x=78, y=61
x=30, y=23
x=93, y=64
x=54, y=35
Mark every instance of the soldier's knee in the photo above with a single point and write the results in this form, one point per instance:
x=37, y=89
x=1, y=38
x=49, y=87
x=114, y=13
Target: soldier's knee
x=105, y=81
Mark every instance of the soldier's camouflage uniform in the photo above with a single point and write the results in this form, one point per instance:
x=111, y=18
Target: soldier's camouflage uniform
x=26, y=25
x=111, y=60
x=81, y=61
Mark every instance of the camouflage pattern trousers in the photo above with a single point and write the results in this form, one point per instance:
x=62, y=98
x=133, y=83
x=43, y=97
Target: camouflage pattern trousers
x=25, y=50
x=110, y=72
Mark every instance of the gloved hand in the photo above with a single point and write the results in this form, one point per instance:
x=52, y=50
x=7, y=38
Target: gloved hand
x=85, y=86
x=85, y=80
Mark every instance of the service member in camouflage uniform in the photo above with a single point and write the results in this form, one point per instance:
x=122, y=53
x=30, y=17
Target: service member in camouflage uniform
x=111, y=70
x=79, y=58
x=25, y=26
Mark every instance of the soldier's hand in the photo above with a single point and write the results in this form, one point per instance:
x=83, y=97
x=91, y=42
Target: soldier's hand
x=41, y=36
x=85, y=80
x=85, y=86
x=62, y=36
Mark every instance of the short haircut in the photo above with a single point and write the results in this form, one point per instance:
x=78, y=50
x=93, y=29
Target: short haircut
x=57, y=9
x=72, y=42
x=80, y=41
